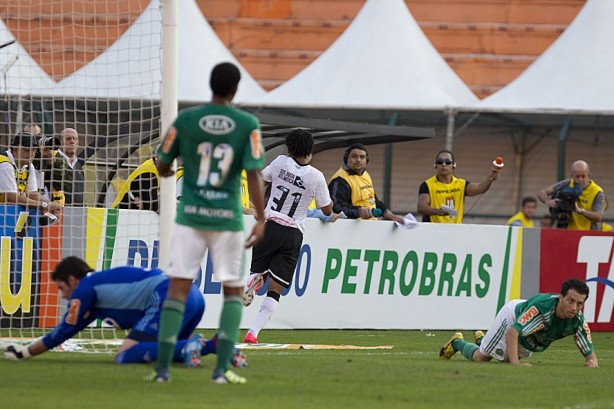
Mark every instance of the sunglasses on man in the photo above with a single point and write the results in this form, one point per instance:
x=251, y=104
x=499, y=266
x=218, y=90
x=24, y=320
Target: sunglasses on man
x=440, y=161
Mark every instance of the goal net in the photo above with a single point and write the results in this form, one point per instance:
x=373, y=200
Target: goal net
x=93, y=67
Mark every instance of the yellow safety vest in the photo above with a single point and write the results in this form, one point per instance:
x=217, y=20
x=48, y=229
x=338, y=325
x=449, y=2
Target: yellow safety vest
x=149, y=166
x=521, y=218
x=21, y=176
x=244, y=190
x=363, y=193
x=450, y=194
x=586, y=200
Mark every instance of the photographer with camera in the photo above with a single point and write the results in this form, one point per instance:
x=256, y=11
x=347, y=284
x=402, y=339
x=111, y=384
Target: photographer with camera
x=17, y=180
x=577, y=203
x=49, y=169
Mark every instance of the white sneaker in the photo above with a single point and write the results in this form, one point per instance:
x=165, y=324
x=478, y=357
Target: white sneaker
x=255, y=283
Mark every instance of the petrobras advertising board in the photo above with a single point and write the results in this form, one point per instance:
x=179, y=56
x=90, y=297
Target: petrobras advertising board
x=371, y=274
x=585, y=255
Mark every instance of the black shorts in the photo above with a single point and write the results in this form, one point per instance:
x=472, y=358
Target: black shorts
x=277, y=253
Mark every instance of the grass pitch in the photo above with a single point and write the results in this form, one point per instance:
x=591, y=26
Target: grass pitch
x=408, y=376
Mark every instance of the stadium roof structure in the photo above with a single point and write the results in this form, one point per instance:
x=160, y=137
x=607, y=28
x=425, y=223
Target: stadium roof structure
x=328, y=134
x=131, y=67
x=19, y=73
x=383, y=60
x=331, y=134
x=573, y=76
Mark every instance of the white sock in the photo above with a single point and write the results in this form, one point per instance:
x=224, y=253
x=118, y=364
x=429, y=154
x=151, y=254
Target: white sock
x=268, y=307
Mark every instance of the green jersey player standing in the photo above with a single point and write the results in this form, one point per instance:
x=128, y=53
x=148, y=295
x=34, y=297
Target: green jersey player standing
x=216, y=142
x=525, y=326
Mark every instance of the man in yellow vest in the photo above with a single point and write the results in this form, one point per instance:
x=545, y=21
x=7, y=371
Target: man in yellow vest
x=351, y=188
x=142, y=188
x=577, y=203
x=524, y=218
x=17, y=179
x=442, y=197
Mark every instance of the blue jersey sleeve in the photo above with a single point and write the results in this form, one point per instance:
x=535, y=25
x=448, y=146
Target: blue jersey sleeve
x=77, y=317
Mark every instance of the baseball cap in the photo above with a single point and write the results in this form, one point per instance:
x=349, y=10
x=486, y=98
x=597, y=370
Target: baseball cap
x=25, y=140
x=50, y=142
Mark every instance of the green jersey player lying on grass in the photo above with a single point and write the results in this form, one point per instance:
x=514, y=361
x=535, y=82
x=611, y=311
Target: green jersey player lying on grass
x=525, y=326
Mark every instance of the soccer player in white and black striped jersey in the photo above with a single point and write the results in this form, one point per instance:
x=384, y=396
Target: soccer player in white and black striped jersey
x=293, y=185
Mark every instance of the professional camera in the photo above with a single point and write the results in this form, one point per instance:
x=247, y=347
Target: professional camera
x=561, y=213
x=43, y=158
x=50, y=142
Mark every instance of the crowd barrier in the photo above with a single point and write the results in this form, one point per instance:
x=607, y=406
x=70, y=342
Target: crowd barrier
x=351, y=274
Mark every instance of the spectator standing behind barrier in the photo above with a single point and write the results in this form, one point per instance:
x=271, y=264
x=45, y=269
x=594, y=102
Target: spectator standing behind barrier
x=577, y=203
x=546, y=222
x=36, y=132
x=51, y=167
x=142, y=188
x=351, y=188
x=73, y=178
x=524, y=218
x=17, y=179
x=32, y=129
x=441, y=198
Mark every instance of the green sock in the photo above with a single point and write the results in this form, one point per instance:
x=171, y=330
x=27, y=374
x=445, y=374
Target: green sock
x=465, y=348
x=230, y=320
x=170, y=323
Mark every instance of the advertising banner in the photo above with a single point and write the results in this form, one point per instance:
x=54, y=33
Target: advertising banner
x=586, y=255
x=19, y=265
x=350, y=274
x=366, y=274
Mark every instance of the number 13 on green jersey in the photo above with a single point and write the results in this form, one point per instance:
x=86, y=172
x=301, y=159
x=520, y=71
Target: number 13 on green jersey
x=215, y=143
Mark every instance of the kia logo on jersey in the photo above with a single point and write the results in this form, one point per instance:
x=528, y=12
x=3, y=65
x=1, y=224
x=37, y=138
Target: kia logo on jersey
x=217, y=124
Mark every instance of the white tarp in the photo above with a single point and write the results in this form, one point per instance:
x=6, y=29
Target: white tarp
x=19, y=73
x=574, y=74
x=382, y=60
x=131, y=67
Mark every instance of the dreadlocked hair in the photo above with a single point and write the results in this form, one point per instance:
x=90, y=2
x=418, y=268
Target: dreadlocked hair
x=299, y=143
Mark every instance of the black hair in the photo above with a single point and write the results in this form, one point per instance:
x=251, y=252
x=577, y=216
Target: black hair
x=299, y=143
x=528, y=199
x=353, y=146
x=225, y=79
x=24, y=139
x=575, y=284
x=445, y=151
x=70, y=266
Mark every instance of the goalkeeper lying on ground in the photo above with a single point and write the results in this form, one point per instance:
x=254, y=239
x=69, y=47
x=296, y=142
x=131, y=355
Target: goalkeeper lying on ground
x=125, y=297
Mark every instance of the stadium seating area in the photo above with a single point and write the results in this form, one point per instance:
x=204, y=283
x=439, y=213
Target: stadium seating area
x=487, y=42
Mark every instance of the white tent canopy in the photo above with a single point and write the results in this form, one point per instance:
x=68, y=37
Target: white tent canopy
x=383, y=60
x=23, y=75
x=131, y=67
x=574, y=74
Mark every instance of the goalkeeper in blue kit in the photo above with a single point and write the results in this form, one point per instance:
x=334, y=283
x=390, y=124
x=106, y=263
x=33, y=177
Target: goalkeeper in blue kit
x=525, y=326
x=127, y=298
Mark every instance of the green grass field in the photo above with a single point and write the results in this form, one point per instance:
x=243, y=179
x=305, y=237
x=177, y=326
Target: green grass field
x=408, y=376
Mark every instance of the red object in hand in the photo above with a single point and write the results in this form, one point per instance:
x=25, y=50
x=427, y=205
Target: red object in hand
x=498, y=164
